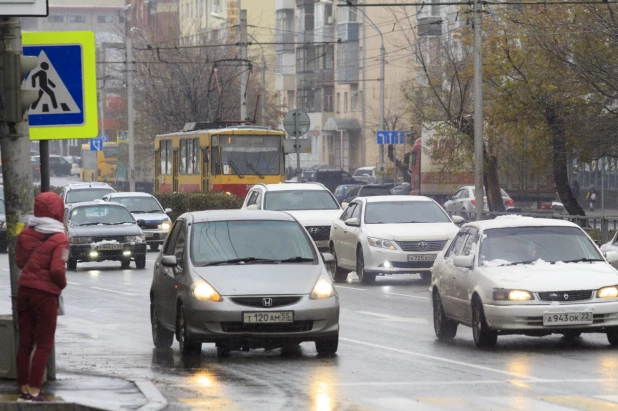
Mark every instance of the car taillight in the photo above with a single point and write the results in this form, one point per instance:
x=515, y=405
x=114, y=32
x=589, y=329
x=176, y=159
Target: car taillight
x=509, y=202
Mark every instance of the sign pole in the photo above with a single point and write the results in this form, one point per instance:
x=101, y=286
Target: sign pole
x=297, y=133
x=44, y=157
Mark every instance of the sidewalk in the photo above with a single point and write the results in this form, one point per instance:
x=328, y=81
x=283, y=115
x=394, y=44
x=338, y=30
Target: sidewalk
x=84, y=392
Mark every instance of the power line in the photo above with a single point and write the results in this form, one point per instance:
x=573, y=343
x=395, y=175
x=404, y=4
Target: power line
x=482, y=3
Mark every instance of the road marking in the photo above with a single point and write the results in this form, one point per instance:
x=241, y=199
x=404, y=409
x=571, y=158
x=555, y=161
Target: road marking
x=396, y=319
x=582, y=403
x=408, y=295
x=69, y=282
x=212, y=403
x=351, y=288
x=156, y=401
x=482, y=382
x=441, y=359
x=111, y=291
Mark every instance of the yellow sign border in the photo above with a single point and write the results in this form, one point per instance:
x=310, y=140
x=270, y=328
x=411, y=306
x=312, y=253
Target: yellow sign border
x=86, y=40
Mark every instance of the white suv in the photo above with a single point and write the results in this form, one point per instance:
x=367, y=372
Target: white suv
x=312, y=204
x=83, y=192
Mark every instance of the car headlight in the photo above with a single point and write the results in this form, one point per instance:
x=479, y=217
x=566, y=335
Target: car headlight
x=500, y=294
x=380, y=243
x=81, y=240
x=166, y=225
x=205, y=292
x=134, y=238
x=322, y=289
x=608, y=292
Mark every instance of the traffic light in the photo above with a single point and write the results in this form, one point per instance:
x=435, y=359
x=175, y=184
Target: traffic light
x=17, y=100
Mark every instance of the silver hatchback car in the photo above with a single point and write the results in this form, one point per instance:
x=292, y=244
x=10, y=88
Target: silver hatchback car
x=242, y=279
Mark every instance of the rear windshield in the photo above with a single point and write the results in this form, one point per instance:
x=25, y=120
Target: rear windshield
x=374, y=191
x=87, y=194
x=361, y=172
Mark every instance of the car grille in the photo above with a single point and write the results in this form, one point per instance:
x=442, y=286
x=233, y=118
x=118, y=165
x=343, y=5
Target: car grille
x=150, y=226
x=422, y=246
x=319, y=233
x=579, y=295
x=258, y=301
x=412, y=264
x=297, y=326
x=120, y=239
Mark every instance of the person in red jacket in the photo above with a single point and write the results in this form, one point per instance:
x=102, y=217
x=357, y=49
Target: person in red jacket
x=41, y=252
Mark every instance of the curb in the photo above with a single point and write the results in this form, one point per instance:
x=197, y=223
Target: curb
x=156, y=401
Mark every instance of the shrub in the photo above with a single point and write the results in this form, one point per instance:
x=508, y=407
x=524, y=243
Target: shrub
x=184, y=202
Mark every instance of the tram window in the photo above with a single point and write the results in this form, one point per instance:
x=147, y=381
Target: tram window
x=183, y=157
x=165, y=147
x=196, y=156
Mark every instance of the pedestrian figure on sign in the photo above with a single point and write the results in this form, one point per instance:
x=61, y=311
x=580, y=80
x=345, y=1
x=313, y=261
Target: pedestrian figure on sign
x=44, y=84
x=41, y=252
x=591, y=196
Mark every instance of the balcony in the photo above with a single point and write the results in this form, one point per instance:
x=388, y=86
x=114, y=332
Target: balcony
x=347, y=63
x=325, y=33
x=347, y=31
x=284, y=37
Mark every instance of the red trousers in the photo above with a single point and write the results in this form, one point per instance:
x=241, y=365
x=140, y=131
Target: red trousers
x=38, y=312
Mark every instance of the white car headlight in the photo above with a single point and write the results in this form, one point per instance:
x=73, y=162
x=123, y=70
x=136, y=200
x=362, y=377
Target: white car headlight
x=380, y=243
x=205, y=292
x=322, y=289
x=166, y=225
x=501, y=294
x=608, y=292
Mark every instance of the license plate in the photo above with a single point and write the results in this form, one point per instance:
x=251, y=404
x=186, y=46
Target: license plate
x=553, y=319
x=421, y=257
x=148, y=235
x=109, y=247
x=321, y=244
x=268, y=317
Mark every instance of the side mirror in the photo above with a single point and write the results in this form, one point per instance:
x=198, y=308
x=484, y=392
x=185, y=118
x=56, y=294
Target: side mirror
x=457, y=219
x=252, y=207
x=464, y=261
x=168, y=210
x=328, y=258
x=353, y=222
x=141, y=223
x=169, y=261
x=612, y=256
x=344, y=205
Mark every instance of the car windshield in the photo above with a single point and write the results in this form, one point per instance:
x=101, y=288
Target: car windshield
x=399, y=212
x=300, y=200
x=361, y=172
x=519, y=245
x=368, y=191
x=221, y=241
x=104, y=214
x=347, y=189
x=86, y=194
x=140, y=204
x=250, y=155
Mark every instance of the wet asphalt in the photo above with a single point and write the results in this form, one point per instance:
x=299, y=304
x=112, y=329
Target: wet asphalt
x=388, y=359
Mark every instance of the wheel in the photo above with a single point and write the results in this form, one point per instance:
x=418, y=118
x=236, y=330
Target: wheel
x=187, y=347
x=426, y=278
x=125, y=264
x=340, y=275
x=154, y=247
x=571, y=335
x=483, y=336
x=71, y=264
x=612, y=337
x=161, y=337
x=327, y=346
x=445, y=328
x=140, y=262
x=363, y=276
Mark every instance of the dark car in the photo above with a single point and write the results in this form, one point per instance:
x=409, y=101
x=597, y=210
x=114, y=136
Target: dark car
x=401, y=189
x=330, y=178
x=368, y=190
x=58, y=166
x=342, y=191
x=101, y=231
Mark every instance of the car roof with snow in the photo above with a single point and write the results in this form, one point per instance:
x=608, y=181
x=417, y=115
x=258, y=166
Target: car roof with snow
x=508, y=221
x=295, y=186
x=391, y=198
x=129, y=194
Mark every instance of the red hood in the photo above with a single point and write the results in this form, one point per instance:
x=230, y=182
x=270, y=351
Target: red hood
x=49, y=205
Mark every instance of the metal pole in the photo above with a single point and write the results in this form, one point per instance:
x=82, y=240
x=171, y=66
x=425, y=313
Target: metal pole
x=44, y=156
x=244, y=73
x=296, y=129
x=16, y=167
x=478, y=109
x=131, y=136
x=341, y=149
x=603, y=188
x=102, y=97
x=382, y=60
x=363, y=125
x=263, y=90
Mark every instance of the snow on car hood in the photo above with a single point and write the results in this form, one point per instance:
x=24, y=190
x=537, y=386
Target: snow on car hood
x=413, y=231
x=544, y=276
x=151, y=217
x=261, y=279
x=316, y=217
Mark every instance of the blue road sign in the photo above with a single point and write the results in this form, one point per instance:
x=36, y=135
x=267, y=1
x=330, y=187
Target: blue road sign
x=96, y=144
x=391, y=137
x=104, y=138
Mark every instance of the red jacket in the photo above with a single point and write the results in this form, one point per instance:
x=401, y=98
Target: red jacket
x=43, y=264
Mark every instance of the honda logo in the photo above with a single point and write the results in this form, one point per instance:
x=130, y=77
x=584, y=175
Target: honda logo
x=314, y=230
x=267, y=302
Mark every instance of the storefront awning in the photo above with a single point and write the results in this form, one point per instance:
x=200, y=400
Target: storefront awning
x=338, y=124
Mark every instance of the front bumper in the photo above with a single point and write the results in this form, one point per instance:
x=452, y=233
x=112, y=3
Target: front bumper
x=129, y=251
x=530, y=317
x=394, y=261
x=223, y=321
x=155, y=236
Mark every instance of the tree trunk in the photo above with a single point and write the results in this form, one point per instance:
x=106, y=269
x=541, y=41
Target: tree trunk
x=561, y=174
x=492, y=184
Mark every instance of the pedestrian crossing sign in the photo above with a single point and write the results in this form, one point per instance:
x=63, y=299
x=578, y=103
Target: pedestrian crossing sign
x=65, y=79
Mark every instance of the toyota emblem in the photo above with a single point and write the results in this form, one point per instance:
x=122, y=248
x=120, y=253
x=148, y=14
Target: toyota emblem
x=267, y=302
x=314, y=230
x=566, y=296
x=423, y=245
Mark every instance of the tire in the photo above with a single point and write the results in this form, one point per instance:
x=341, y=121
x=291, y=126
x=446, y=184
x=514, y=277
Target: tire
x=483, y=336
x=187, y=347
x=161, y=337
x=426, y=278
x=223, y=350
x=340, y=275
x=612, y=338
x=140, y=262
x=327, y=346
x=154, y=247
x=124, y=264
x=71, y=264
x=445, y=328
x=364, y=277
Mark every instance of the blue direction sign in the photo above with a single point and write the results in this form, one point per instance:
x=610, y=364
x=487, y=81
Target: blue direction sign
x=391, y=137
x=96, y=144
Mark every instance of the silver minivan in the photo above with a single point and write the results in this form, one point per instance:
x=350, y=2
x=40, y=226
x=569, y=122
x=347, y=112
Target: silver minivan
x=365, y=174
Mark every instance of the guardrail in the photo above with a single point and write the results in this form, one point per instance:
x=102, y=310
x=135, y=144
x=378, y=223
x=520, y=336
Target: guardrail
x=601, y=229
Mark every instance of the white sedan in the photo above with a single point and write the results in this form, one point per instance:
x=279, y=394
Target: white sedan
x=389, y=235
x=521, y=275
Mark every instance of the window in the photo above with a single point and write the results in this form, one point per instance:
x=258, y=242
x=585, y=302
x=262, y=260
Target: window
x=347, y=15
x=105, y=19
x=323, y=14
x=328, y=99
x=354, y=98
x=77, y=19
x=189, y=156
x=345, y=102
x=171, y=238
x=247, y=155
x=253, y=198
x=100, y=214
x=141, y=204
x=300, y=200
x=338, y=102
x=401, y=212
x=348, y=211
x=55, y=18
x=165, y=147
x=457, y=244
x=284, y=21
x=357, y=211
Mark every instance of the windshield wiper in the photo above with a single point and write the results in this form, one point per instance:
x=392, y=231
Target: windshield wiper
x=236, y=261
x=87, y=224
x=121, y=222
x=297, y=260
x=154, y=211
x=255, y=170
x=139, y=212
x=583, y=260
x=235, y=169
x=521, y=262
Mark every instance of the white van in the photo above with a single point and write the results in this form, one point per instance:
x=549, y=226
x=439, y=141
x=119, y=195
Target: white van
x=365, y=174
